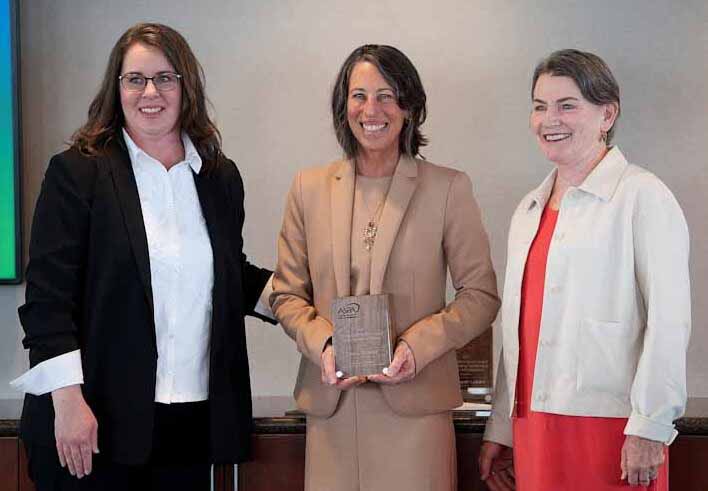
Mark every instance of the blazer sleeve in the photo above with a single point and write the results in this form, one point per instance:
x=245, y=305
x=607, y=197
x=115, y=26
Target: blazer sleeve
x=661, y=251
x=57, y=260
x=476, y=301
x=253, y=278
x=292, y=301
x=498, y=427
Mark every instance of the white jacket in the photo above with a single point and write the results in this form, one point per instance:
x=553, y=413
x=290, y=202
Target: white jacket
x=616, y=306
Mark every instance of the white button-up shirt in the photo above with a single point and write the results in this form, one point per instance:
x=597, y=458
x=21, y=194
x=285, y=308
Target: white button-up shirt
x=616, y=307
x=181, y=272
x=182, y=277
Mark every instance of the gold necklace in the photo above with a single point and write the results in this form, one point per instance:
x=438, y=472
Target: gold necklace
x=372, y=228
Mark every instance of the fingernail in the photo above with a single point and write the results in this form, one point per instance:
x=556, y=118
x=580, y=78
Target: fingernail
x=385, y=371
x=339, y=374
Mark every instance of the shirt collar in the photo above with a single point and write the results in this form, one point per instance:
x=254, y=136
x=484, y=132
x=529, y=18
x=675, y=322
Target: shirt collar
x=602, y=182
x=605, y=177
x=541, y=194
x=190, y=152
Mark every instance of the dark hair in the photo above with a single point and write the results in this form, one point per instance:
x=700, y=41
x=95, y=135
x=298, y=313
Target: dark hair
x=105, y=114
x=589, y=72
x=401, y=75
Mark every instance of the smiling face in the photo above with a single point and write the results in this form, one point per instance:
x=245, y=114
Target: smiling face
x=567, y=126
x=373, y=113
x=149, y=114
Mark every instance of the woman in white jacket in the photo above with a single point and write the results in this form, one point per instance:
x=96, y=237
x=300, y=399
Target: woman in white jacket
x=596, y=309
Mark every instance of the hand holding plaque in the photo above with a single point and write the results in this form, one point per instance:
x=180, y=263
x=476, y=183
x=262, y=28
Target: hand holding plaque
x=401, y=369
x=363, y=334
x=329, y=371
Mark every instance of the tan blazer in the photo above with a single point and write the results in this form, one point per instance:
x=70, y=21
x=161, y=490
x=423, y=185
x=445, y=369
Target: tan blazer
x=430, y=222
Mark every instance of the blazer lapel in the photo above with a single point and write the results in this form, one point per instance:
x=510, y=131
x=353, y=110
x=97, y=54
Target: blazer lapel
x=127, y=191
x=402, y=187
x=342, y=198
x=210, y=195
x=212, y=216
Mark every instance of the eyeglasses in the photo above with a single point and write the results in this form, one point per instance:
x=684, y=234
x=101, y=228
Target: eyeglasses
x=136, y=82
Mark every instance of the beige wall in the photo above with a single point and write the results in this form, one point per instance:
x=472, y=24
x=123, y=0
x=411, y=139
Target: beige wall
x=270, y=65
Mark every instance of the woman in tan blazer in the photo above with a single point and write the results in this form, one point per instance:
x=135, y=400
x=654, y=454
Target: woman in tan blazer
x=382, y=221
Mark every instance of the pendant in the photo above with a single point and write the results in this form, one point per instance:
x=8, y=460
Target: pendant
x=370, y=235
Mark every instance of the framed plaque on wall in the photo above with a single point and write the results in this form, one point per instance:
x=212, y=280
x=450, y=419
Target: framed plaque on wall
x=475, y=364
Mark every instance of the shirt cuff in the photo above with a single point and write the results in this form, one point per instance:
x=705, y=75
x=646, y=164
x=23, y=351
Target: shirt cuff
x=644, y=427
x=499, y=431
x=54, y=373
x=263, y=305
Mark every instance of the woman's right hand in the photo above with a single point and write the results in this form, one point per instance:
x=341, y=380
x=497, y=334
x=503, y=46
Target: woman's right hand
x=329, y=373
x=496, y=466
x=75, y=429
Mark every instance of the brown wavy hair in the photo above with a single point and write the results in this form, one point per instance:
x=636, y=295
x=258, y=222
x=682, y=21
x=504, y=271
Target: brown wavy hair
x=105, y=114
x=398, y=70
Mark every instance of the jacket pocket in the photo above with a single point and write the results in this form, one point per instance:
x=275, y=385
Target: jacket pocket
x=606, y=361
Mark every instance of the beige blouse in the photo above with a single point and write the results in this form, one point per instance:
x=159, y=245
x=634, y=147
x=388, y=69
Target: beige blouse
x=369, y=197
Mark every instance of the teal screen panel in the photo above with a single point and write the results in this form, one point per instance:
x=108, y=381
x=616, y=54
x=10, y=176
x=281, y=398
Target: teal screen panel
x=9, y=164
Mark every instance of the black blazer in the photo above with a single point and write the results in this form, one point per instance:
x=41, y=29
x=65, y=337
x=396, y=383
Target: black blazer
x=88, y=288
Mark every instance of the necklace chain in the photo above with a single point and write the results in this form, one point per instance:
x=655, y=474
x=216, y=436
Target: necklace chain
x=372, y=227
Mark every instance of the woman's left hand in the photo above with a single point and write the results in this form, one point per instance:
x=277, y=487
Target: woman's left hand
x=641, y=459
x=401, y=369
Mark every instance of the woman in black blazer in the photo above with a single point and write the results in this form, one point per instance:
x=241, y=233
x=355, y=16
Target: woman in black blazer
x=137, y=287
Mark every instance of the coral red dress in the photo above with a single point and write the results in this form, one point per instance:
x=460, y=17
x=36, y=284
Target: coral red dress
x=553, y=452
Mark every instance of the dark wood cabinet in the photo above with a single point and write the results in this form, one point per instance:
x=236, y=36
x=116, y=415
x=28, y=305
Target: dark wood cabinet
x=279, y=453
x=278, y=462
x=467, y=469
x=9, y=465
x=24, y=482
x=13, y=466
x=688, y=459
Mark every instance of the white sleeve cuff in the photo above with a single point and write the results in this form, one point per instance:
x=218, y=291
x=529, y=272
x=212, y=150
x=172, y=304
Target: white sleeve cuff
x=499, y=429
x=263, y=305
x=54, y=373
x=644, y=427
